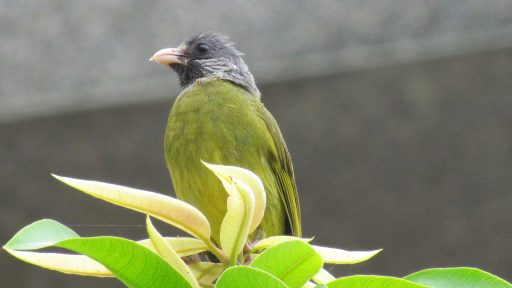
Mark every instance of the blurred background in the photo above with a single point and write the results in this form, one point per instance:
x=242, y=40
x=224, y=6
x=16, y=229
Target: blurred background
x=397, y=114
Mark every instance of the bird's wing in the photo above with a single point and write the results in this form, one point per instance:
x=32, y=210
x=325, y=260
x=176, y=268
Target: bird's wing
x=281, y=166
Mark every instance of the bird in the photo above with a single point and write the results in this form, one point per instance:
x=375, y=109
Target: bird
x=219, y=118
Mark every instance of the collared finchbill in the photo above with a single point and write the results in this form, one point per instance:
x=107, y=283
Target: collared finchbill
x=169, y=56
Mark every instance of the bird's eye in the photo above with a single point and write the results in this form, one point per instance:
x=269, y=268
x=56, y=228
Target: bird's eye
x=202, y=48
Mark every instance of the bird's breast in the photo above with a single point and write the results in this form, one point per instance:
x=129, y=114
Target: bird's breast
x=219, y=125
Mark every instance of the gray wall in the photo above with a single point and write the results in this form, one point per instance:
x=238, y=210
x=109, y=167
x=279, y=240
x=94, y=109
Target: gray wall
x=396, y=113
x=68, y=55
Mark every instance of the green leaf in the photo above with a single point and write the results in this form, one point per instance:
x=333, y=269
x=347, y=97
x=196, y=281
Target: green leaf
x=240, y=207
x=165, y=250
x=136, y=266
x=248, y=277
x=44, y=233
x=457, y=277
x=360, y=281
x=39, y=234
x=294, y=262
x=275, y=240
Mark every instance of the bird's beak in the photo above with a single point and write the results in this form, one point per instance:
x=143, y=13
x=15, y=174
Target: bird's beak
x=169, y=56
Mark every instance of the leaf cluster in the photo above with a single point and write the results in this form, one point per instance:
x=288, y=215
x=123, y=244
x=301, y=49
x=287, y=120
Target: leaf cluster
x=279, y=261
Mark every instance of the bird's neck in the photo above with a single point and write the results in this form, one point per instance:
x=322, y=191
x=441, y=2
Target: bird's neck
x=189, y=74
x=243, y=79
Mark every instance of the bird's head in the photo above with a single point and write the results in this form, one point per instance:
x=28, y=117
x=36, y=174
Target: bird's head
x=207, y=55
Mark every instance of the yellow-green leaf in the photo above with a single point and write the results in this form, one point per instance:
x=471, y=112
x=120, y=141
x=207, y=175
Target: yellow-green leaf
x=65, y=263
x=184, y=246
x=240, y=208
x=235, y=225
x=323, y=277
x=168, y=254
x=165, y=208
x=250, y=179
x=206, y=272
x=338, y=256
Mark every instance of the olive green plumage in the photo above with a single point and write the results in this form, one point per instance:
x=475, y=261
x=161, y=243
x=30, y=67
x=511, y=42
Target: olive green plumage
x=219, y=118
x=219, y=122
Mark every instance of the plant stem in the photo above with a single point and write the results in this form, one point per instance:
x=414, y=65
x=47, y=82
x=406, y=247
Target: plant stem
x=217, y=252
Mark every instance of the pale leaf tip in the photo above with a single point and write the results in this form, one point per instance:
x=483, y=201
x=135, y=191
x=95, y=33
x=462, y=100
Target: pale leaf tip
x=208, y=165
x=371, y=254
x=61, y=178
x=149, y=223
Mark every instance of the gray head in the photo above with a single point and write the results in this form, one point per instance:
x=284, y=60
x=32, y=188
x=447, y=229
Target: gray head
x=207, y=55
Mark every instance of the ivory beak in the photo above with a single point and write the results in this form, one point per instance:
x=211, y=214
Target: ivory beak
x=169, y=56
